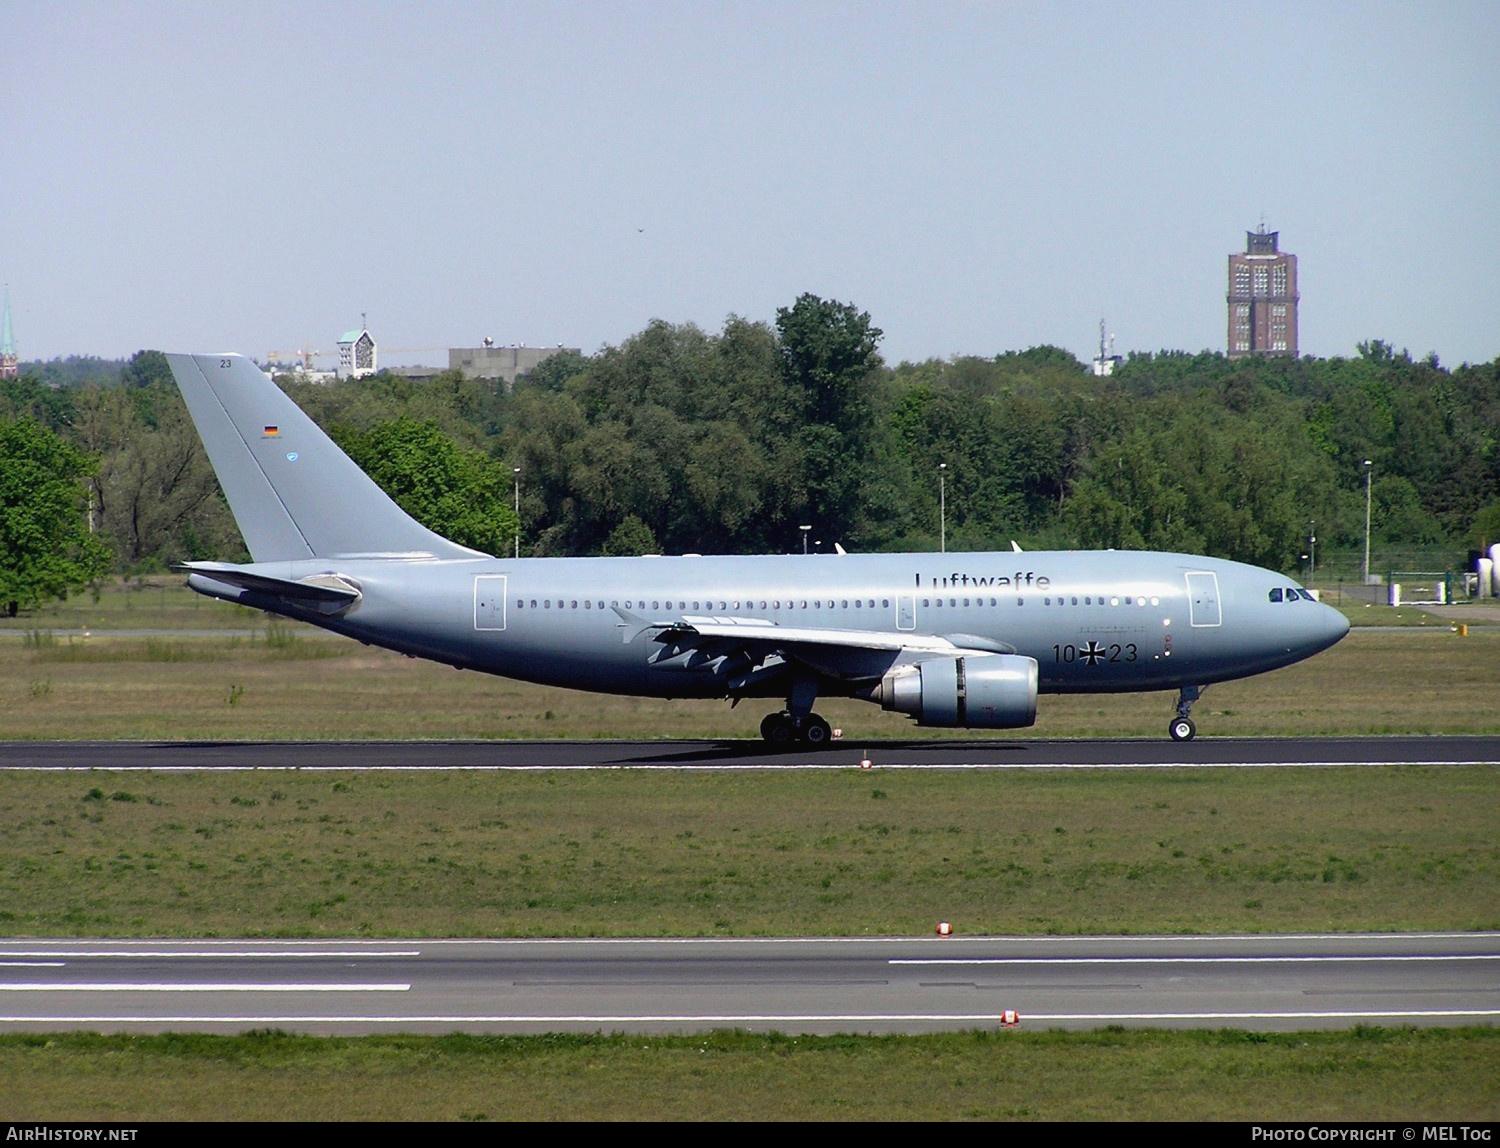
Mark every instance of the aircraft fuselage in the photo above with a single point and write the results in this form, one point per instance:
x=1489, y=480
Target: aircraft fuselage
x=1094, y=621
x=951, y=640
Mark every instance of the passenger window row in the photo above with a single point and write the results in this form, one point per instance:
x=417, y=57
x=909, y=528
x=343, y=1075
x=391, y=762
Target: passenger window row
x=682, y=605
x=843, y=603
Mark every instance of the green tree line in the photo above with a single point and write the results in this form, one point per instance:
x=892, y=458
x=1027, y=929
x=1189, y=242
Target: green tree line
x=682, y=440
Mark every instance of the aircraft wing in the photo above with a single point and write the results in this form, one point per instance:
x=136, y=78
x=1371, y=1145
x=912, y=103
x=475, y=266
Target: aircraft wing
x=746, y=651
x=757, y=629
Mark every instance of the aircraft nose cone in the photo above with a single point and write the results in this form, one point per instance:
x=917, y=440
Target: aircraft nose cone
x=1335, y=626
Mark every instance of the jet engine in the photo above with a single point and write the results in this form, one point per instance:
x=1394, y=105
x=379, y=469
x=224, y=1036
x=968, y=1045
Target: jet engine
x=975, y=691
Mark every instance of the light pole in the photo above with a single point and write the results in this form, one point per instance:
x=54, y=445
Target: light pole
x=517, y=469
x=1312, y=551
x=943, y=507
x=1369, y=469
x=805, y=530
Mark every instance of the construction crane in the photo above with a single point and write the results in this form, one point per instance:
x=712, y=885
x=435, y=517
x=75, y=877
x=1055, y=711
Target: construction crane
x=306, y=354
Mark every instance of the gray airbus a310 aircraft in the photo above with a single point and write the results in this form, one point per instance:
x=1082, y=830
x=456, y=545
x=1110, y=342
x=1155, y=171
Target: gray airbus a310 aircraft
x=956, y=639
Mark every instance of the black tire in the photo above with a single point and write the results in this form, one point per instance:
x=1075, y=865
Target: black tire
x=816, y=731
x=778, y=730
x=1182, y=729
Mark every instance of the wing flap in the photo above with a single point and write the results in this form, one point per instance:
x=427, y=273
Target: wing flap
x=759, y=630
x=748, y=650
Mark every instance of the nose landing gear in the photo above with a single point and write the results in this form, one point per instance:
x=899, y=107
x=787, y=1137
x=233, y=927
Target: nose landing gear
x=1182, y=727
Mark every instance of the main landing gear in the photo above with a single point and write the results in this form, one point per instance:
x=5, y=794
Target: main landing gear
x=783, y=729
x=1182, y=727
x=797, y=722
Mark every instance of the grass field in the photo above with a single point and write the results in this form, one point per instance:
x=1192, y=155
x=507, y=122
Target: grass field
x=282, y=682
x=641, y=854
x=160, y=602
x=622, y=853
x=844, y=853
x=199, y=669
x=1369, y=1074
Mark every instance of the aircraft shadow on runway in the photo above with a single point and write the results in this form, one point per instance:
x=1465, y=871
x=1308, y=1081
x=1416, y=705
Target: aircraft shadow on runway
x=751, y=750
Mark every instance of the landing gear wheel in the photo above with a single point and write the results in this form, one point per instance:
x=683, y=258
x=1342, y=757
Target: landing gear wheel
x=1182, y=727
x=815, y=731
x=778, y=730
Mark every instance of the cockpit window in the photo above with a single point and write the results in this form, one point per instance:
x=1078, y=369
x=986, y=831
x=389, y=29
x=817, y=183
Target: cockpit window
x=1290, y=594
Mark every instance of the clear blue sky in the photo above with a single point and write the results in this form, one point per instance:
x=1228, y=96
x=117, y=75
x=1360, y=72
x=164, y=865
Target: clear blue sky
x=979, y=177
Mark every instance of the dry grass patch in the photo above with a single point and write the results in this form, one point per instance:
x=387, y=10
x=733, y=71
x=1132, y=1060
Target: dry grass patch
x=294, y=684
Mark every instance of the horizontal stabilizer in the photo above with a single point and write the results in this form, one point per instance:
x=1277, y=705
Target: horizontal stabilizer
x=329, y=591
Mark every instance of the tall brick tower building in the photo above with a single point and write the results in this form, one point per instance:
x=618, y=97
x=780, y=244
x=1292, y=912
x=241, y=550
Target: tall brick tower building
x=1262, y=298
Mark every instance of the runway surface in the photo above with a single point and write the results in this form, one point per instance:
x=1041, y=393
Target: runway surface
x=797, y=986
x=793, y=985
x=987, y=753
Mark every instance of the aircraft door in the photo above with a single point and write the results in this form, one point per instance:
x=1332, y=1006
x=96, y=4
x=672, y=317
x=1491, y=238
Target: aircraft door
x=906, y=611
x=489, y=601
x=1203, y=598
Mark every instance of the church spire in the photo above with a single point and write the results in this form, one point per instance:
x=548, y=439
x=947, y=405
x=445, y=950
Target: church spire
x=8, y=367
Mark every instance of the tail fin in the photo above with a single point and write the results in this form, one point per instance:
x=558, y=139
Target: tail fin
x=292, y=491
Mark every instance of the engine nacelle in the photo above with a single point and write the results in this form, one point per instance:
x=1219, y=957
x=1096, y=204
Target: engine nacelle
x=974, y=691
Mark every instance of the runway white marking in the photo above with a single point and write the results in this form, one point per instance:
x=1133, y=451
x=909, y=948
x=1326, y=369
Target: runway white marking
x=213, y=953
x=1330, y=959
x=767, y=1018
x=126, y=987
x=1143, y=1016
x=32, y=964
x=757, y=766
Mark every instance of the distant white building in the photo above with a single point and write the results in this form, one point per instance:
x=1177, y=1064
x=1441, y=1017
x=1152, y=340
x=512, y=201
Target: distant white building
x=356, y=354
x=502, y=363
x=1106, y=360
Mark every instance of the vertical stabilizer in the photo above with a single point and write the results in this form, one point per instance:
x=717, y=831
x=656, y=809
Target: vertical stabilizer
x=292, y=491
